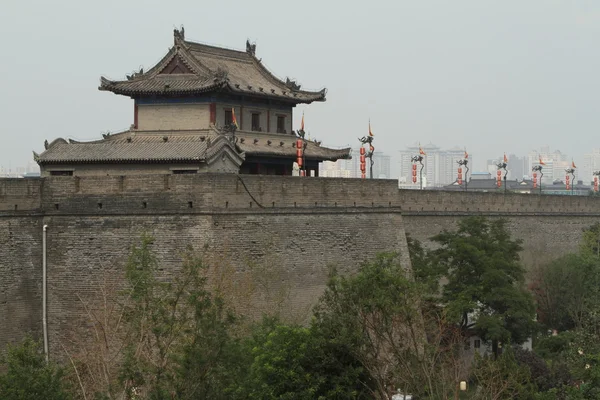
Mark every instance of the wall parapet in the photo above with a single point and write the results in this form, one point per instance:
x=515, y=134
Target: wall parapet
x=104, y=195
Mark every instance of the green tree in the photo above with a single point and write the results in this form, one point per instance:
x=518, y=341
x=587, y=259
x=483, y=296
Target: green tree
x=565, y=290
x=28, y=376
x=294, y=362
x=485, y=281
x=178, y=342
x=379, y=317
x=590, y=241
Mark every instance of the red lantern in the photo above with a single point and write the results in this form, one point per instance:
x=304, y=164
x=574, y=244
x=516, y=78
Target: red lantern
x=414, y=167
x=499, y=183
x=363, y=165
x=299, y=155
x=414, y=179
x=534, y=180
x=499, y=173
x=459, y=170
x=595, y=184
x=459, y=181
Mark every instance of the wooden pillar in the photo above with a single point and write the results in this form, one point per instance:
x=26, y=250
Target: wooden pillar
x=213, y=113
x=135, y=115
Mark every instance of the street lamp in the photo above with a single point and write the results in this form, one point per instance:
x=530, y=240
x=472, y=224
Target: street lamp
x=364, y=140
x=536, y=169
x=301, y=150
x=464, y=163
x=419, y=159
x=572, y=172
x=500, y=166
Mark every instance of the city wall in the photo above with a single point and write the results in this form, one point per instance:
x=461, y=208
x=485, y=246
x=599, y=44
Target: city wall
x=277, y=235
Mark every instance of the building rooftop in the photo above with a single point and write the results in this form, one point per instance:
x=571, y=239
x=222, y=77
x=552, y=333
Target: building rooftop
x=178, y=146
x=191, y=68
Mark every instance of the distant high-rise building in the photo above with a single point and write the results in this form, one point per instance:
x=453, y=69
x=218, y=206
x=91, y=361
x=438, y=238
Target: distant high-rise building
x=591, y=163
x=351, y=168
x=555, y=164
x=440, y=166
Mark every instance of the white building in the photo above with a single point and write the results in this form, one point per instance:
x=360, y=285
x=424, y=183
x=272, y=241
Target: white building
x=591, y=163
x=556, y=163
x=440, y=166
x=351, y=168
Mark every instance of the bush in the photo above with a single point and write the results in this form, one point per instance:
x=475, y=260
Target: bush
x=28, y=376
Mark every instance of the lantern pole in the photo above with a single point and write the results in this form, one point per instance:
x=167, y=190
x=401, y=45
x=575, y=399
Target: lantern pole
x=364, y=140
x=419, y=159
x=465, y=163
x=503, y=166
x=572, y=172
x=301, y=135
x=538, y=168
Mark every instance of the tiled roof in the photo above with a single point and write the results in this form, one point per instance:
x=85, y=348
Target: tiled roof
x=284, y=146
x=123, y=151
x=202, y=68
x=177, y=146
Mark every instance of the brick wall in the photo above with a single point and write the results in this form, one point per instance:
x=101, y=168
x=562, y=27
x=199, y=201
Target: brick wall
x=173, y=116
x=289, y=228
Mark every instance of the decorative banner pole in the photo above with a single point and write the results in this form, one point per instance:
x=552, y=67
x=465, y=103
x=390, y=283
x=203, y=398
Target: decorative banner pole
x=301, y=149
x=464, y=162
x=364, y=140
x=596, y=175
x=536, y=169
x=572, y=172
x=418, y=159
x=503, y=166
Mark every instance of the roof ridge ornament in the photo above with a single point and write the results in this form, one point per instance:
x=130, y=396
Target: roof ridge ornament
x=221, y=73
x=251, y=48
x=178, y=34
x=135, y=74
x=292, y=84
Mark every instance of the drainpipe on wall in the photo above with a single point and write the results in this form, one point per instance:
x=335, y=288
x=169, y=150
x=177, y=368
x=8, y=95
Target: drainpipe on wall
x=44, y=317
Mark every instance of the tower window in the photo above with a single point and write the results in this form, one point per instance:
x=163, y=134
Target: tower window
x=256, y=122
x=281, y=124
x=228, y=117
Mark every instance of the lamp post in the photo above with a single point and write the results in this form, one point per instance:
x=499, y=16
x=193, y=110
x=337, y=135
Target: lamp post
x=301, y=158
x=419, y=159
x=464, y=163
x=572, y=172
x=369, y=154
x=500, y=166
x=536, y=169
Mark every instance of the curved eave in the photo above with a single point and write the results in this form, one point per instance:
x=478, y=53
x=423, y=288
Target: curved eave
x=124, y=161
x=342, y=154
x=313, y=96
x=120, y=88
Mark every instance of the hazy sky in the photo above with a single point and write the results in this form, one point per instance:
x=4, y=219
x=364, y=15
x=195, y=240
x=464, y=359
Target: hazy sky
x=494, y=76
